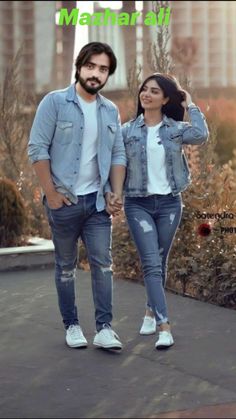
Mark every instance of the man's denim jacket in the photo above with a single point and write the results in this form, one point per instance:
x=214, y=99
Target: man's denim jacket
x=173, y=135
x=57, y=135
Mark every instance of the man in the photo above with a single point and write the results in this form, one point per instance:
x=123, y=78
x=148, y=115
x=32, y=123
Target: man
x=76, y=148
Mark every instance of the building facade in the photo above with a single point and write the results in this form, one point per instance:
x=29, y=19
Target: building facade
x=46, y=48
x=209, y=28
x=202, y=42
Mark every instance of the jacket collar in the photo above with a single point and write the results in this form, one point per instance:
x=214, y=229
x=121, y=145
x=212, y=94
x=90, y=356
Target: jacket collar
x=140, y=121
x=166, y=121
x=72, y=96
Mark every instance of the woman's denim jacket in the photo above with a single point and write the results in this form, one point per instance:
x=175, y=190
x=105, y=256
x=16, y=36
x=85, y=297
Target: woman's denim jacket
x=173, y=135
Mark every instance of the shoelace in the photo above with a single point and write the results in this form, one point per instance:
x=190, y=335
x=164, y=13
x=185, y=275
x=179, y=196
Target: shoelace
x=75, y=330
x=111, y=332
x=148, y=320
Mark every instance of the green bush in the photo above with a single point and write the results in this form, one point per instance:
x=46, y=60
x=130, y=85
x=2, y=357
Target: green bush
x=17, y=109
x=13, y=217
x=200, y=266
x=226, y=134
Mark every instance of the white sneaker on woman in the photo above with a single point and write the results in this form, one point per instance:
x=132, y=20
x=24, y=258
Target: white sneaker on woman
x=165, y=340
x=149, y=326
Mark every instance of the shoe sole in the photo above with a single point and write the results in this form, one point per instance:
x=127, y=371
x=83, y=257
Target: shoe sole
x=116, y=348
x=149, y=333
x=164, y=346
x=80, y=345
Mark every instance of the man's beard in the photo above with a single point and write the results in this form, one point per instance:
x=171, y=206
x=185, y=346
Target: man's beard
x=89, y=89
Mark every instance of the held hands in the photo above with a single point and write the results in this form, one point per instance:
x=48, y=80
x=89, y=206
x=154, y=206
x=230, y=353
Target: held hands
x=56, y=200
x=187, y=99
x=114, y=203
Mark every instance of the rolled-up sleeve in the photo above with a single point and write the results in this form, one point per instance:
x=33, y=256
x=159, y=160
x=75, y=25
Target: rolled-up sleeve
x=195, y=132
x=118, y=151
x=42, y=130
x=124, y=129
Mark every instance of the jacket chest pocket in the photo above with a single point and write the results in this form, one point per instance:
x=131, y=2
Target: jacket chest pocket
x=176, y=137
x=64, y=132
x=174, y=145
x=133, y=147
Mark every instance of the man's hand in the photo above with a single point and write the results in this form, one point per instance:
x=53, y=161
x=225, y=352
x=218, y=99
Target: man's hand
x=114, y=203
x=56, y=200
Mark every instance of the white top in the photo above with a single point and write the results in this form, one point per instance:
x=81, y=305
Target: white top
x=88, y=176
x=157, y=182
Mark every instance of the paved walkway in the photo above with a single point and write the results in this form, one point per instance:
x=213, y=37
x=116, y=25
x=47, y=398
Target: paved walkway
x=41, y=377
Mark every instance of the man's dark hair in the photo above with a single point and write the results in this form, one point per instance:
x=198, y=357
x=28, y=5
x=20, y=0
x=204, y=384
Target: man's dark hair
x=95, y=48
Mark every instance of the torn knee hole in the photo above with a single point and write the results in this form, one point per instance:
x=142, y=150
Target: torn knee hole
x=105, y=269
x=68, y=275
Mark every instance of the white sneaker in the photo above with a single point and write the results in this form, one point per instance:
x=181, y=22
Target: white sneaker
x=165, y=340
x=149, y=326
x=75, y=337
x=107, y=339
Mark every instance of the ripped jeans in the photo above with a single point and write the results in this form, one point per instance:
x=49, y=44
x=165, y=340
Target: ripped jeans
x=68, y=224
x=153, y=222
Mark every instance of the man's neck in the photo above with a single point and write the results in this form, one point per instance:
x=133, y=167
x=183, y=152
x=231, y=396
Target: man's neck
x=85, y=95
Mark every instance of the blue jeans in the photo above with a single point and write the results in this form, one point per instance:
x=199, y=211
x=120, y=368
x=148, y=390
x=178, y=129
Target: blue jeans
x=68, y=224
x=153, y=222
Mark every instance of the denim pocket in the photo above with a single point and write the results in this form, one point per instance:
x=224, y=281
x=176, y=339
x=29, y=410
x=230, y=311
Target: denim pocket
x=58, y=209
x=132, y=146
x=176, y=146
x=177, y=138
x=45, y=203
x=64, y=132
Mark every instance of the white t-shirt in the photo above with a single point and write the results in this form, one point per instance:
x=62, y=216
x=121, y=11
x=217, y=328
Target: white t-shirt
x=156, y=169
x=88, y=176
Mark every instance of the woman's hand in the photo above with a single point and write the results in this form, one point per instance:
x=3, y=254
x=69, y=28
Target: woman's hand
x=114, y=203
x=187, y=100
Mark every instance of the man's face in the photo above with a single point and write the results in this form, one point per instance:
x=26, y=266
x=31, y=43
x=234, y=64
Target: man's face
x=94, y=74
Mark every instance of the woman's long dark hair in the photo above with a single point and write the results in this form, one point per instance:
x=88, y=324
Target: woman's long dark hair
x=171, y=89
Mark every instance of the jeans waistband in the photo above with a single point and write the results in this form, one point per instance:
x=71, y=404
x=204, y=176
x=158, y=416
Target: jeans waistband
x=159, y=195
x=88, y=194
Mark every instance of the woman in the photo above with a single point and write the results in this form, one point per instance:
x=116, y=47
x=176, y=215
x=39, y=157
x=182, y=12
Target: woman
x=157, y=173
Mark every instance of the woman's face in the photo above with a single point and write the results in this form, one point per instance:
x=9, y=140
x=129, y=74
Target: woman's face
x=152, y=96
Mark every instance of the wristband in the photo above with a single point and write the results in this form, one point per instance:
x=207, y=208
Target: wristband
x=190, y=105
